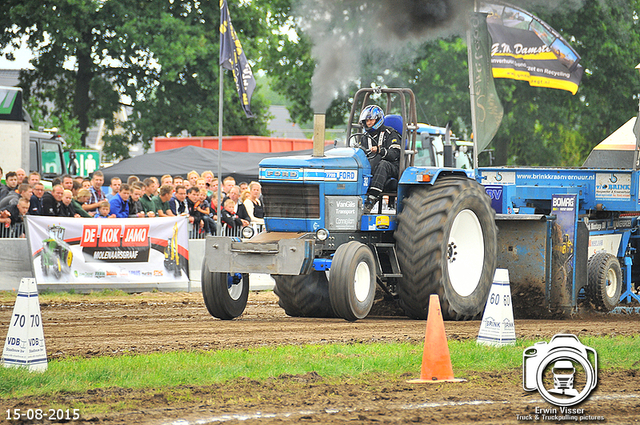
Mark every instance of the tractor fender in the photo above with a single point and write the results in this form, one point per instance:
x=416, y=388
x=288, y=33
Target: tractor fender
x=413, y=176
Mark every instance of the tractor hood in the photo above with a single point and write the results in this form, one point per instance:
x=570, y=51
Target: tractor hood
x=307, y=167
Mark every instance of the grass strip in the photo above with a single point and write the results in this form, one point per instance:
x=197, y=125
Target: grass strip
x=339, y=361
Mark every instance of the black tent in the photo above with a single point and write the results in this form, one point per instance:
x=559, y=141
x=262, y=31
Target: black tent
x=242, y=166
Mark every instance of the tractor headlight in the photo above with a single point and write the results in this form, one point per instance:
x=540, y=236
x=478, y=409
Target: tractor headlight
x=322, y=234
x=247, y=232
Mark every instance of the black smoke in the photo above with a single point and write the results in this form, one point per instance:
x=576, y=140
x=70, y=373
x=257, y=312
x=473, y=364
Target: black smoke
x=343, y=31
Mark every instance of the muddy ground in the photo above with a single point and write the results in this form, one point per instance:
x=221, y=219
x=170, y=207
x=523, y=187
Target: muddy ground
x=161, y=322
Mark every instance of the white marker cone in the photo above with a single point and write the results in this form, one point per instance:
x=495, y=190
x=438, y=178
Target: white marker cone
x=24, y=346
x=497, y=326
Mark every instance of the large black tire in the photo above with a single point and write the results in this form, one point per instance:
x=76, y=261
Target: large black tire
x=352, y=281
x=446, y=242
x=605, y=281
x=224, y=296
x=305, y=295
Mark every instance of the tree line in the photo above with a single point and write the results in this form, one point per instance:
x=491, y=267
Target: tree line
x=159, y=61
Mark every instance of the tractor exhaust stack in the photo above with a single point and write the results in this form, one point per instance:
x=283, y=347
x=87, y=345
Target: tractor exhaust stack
x=318, y=134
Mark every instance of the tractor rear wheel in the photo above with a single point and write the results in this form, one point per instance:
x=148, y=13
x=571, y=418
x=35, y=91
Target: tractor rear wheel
x=605, y=281
x=304, y=295
x=446, y=242
x=352, y=281
x=225, y=294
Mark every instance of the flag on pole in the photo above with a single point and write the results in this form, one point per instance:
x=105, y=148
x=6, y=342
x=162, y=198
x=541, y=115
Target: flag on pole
x=486, y=109
x=232, y=57
x=527, y=48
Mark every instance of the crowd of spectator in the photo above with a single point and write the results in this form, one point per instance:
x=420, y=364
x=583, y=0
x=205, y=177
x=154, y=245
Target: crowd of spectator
x=195, y=197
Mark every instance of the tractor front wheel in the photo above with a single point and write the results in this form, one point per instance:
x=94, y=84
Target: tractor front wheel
x=304, y=295
x=225, y=294
x=352, y=281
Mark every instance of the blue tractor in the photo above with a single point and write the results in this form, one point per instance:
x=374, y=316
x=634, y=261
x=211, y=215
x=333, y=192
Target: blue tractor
x=436, y=235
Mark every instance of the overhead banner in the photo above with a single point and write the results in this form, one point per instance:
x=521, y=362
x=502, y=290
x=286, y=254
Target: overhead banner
x=527, y=48
x=118, y=250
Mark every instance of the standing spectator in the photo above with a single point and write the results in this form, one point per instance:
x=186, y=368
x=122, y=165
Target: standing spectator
x=131, y=180
x=103, y=210
x=66, y=208
x=11, y=184
x=193, y=176
x=119, y=204
x=161, y=201
x=82, y=197
x=135, y=206
x=208, y=179
x=212, y=187
x=253, y=204
x=35, y=204
x=34, y=178
x=21, y=174
x=167, y=179
x=23, y=191
x=79, y=179
x=15, y=220
x=178, y=180
x=147, y=199
x=51, y=201
x=97, y=196
x=67, y=182
x=230, y=218
x=114, y=188
x=227, y=184
x=243, y=186
x=204, y=212
x=234, y=194
x=178, y=202
x=86, y=183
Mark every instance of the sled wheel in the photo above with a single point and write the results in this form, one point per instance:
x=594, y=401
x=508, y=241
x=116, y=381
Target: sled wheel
x=352, y=281
x=605, y=281
x=446, y=242
x=304, y=295
x=225, y=294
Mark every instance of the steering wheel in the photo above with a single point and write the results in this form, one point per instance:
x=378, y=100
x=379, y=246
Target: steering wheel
x=357, y=142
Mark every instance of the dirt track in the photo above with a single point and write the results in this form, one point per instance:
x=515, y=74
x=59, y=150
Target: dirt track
x=178, y=321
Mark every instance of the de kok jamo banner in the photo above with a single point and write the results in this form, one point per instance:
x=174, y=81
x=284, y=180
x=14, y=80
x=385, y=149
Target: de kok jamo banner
x=527, y=48
x=88, y=250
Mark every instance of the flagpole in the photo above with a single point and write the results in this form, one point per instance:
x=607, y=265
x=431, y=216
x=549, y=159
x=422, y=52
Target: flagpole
x=220, y=105
x=472, y=92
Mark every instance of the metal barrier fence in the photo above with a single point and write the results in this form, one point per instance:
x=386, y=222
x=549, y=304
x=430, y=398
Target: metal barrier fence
x=15, y=231
x=18, y=231
x=197, y=232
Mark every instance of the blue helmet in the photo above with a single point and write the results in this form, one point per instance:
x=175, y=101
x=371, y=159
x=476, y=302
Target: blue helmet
x=372, y=112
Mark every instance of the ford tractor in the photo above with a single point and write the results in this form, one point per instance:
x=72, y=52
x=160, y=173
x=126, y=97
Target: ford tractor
x=437, y=234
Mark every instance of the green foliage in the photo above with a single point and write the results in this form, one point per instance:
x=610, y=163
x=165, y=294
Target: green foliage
x=163, y=56
x=67, y=126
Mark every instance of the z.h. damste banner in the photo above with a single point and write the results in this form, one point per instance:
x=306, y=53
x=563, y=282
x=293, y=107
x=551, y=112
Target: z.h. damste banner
x=122, y=250
x=527, y=48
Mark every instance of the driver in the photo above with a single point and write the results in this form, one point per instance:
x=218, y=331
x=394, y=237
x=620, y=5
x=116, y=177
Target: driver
x=384, y=144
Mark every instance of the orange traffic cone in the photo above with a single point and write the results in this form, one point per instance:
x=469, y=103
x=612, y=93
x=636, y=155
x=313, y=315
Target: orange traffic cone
x=436, y=362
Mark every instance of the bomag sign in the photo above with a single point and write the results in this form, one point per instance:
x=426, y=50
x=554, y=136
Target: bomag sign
x=115, y=243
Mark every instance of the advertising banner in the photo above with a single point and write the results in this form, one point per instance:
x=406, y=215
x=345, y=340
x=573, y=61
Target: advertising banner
x=527, y=48
x=122, y=250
